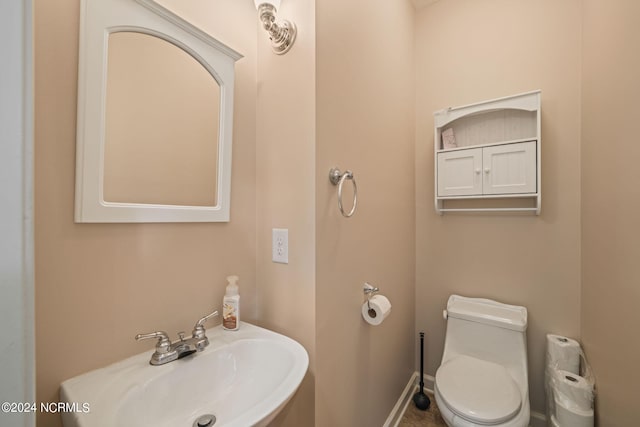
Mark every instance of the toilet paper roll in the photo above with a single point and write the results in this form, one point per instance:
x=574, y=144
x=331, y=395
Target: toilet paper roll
x=563, y=353
x=573, y=390
x=567, y=416
x=380, y=309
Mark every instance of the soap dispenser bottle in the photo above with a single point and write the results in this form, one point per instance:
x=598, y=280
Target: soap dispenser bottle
x=231, y=306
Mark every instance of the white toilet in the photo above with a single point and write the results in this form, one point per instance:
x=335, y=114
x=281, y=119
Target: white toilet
x=482, y=380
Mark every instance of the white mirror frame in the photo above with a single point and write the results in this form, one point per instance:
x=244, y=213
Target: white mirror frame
x=98, y=19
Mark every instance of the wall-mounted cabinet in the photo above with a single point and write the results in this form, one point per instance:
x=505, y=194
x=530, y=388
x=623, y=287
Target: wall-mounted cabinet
x=489, y=151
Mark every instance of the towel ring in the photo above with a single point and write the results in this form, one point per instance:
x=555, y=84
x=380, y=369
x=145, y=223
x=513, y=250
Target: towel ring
x=338, y=178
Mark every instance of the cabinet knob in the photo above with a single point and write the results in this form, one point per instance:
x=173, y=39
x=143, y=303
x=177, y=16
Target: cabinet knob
x=478, y=171
x=487, y=170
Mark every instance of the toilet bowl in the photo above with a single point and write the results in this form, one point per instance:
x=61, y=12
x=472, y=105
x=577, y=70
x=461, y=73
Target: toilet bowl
x=482, y=380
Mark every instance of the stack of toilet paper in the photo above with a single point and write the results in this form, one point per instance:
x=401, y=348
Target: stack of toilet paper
x=569, y=384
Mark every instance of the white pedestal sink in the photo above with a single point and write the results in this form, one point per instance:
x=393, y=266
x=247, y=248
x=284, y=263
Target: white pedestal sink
x=243, y=378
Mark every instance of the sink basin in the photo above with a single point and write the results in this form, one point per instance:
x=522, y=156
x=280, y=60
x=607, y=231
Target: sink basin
x=243, y=378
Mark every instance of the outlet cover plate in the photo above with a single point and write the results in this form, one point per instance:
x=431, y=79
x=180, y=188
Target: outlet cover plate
x=280, y=245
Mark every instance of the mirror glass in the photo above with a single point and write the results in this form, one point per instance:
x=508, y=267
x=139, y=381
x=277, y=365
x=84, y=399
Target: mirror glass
x=162, y=121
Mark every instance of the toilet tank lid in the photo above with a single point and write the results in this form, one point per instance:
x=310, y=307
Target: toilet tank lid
x=488, y=311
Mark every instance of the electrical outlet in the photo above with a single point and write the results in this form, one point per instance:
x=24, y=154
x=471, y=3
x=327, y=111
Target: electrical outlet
x=280, y=245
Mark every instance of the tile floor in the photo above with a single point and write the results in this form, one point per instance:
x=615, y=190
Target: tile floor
x=414, y=417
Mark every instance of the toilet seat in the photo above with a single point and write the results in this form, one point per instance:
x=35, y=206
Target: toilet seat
x=478, y=391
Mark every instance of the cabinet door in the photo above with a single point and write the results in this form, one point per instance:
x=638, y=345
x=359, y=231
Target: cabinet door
x=510, y=168
x=459, y=173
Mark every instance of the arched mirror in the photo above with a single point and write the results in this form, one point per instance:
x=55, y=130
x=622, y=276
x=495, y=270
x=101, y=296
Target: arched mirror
x=161, y=124
x=154, y=117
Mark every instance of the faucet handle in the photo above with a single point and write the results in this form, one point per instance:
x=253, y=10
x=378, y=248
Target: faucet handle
x=207, y=317
x=163, y=340
x=198, y=329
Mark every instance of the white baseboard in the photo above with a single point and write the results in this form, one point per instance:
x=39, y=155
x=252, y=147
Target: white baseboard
x=429, y=382
x=405, y=398
x=401, y=405
x=537, y=419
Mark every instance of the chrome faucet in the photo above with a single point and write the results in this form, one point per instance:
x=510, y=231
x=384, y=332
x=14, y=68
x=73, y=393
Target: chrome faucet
x=167, y=351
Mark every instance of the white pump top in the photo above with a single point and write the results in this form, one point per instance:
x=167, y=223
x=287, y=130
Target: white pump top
x=232, y=287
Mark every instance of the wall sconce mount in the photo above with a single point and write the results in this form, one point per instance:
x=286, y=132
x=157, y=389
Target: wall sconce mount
x=282, y=34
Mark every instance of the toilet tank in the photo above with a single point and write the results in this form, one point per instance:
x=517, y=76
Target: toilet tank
x=487, y=330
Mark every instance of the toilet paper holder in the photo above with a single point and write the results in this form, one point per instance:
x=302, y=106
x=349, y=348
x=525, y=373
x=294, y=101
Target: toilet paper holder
x=369, y=291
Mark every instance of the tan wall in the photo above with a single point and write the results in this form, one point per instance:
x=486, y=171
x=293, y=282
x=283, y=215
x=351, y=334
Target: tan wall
x=285, y=190
x=365, y=124
x=97, y=285
x=468, y=51
x=610, y=204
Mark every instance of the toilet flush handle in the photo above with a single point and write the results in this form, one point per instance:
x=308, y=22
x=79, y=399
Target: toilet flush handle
x=445, y=315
